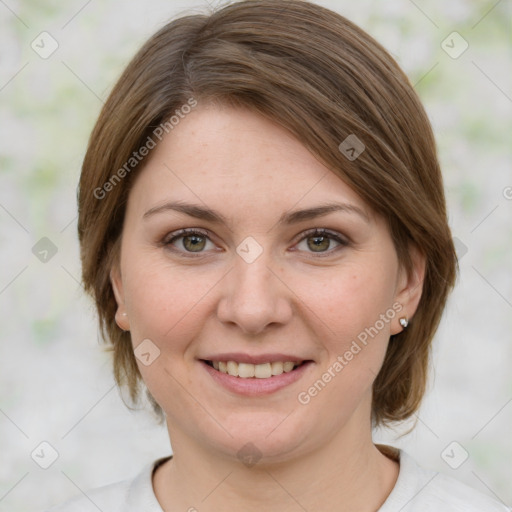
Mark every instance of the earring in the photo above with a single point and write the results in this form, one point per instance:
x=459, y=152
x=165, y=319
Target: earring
x=404, y=322
x=118, y=324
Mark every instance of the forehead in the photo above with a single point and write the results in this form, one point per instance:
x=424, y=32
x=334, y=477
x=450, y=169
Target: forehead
x=237, y=161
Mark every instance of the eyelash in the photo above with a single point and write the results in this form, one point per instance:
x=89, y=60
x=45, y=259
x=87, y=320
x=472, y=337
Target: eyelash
x=315, y=232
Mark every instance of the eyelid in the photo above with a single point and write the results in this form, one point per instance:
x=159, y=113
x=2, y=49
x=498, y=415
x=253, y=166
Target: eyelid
x=184, y=232
x=323, y=232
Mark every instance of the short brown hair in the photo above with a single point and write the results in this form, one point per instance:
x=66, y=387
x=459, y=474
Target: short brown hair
x=324, y=79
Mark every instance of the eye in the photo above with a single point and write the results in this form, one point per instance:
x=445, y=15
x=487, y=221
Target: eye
x=192, y=240
x=319, y=241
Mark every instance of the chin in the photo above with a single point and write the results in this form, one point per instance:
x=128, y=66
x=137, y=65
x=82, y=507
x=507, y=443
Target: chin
x=265, y=437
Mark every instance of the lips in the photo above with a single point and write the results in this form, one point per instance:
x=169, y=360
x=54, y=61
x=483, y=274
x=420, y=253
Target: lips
x=258, y=385
x=255, y=374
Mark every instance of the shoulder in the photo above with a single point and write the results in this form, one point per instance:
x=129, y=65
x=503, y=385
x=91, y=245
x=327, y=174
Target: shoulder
x=446, y=490
x=109, y=497
x=422, y=490
x=132, y=495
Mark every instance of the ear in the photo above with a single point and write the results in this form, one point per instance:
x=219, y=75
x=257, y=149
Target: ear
x=117, y=286
x=409, y=288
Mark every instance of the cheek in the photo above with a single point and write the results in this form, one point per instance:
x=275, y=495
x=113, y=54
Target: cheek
x=166, y=302
x=347, y=309
x=350, y=300
x=166, y=305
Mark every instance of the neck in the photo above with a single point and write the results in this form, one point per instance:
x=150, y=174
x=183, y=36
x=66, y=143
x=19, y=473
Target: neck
x=348, y=473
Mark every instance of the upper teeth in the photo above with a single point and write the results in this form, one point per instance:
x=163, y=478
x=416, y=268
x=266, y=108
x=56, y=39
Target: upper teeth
x=248, y=370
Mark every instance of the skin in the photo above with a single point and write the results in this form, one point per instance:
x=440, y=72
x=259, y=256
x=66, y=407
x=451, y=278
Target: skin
x=294, y=299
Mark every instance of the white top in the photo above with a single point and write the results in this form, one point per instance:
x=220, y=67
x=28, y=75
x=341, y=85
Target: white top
x=416, y=490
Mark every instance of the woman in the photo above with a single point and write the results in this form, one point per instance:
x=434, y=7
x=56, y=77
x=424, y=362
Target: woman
x=263, y=229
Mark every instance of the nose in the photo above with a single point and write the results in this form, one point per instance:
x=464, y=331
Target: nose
x=255, y=297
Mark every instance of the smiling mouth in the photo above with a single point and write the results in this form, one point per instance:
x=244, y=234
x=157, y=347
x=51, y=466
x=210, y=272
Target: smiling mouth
x=254, y=371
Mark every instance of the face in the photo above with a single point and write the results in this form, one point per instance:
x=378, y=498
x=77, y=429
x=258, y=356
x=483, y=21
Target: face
x=294, y=299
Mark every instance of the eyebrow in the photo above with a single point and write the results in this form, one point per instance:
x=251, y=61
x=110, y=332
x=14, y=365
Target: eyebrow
x=287, y=218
